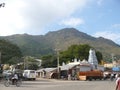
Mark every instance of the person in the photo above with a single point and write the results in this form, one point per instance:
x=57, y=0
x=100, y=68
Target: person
x=104, y=76
x=116, y=76
x=118, y=83
x=111, y=76
x=14, y=78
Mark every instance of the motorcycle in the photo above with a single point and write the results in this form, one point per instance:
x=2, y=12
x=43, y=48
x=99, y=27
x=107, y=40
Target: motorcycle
x=9, y=82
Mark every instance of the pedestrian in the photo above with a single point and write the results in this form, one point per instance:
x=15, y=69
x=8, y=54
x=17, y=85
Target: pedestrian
x=116, y=76
x=118, y=83
x=111, y=76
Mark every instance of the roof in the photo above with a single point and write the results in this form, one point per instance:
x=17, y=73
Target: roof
x=85, y=62
x=46, y=69
x=75, y=63
x=68, y=66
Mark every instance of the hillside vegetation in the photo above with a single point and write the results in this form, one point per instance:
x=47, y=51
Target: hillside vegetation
x=9, y=53
x=38, y=45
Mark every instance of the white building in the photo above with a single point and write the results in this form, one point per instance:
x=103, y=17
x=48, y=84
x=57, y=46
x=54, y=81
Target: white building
x=92, y=59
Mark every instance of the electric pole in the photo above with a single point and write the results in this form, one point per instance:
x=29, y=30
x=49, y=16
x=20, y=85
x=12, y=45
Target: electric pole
x=0, y=58
x=58, y=69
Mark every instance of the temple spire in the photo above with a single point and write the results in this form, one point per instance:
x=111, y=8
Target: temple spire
x=93, y=59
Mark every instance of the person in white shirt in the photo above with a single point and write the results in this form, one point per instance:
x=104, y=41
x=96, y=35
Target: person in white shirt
x=14, y=78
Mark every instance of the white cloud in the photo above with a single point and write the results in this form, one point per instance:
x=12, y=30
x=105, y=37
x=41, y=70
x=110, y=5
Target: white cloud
x=31, y=16
x=11, y=20
x=116, y=26
x=109, y=35
x=73, y=22
x=99, y=2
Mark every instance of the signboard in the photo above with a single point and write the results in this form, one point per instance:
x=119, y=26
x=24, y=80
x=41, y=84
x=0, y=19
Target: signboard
x=116, y=68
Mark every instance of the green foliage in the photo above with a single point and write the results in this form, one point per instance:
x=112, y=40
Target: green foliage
x=78, y=51
x=99, y=56
x=14, y=60
x=75, y=51
x=49, y=61
x=9, y=51
x=31, y=45
x=33, y=66
x=39, y=45
x=30, y=63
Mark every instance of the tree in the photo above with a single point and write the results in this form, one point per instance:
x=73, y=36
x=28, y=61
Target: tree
x=8, y=51
x=49, y=61
x=30, y=63
x=75, y=51
x=14, y=60
x=78, y=51
x=99, y=56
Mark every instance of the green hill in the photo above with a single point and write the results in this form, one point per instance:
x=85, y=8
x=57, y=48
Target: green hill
x=37, y=45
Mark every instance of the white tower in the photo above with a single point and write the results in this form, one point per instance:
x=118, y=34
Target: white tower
x=93, y=59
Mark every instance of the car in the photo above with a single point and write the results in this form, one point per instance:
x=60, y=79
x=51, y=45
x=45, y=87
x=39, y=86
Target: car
x=29, y=74
x=6, y=73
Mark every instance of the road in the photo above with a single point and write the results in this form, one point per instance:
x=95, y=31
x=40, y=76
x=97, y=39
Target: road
x=62, y=85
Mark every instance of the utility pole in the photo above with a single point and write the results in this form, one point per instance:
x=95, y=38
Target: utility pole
x=112, y=57
x=0, y=58
x=58, y=60
x=24, y=62
x=58, y=69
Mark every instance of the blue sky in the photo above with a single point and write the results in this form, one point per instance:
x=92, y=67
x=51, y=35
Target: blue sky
x=38, y=17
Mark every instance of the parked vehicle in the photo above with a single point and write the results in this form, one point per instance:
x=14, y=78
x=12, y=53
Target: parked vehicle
x=90, y=75
x=6, y=73
x=29, y=75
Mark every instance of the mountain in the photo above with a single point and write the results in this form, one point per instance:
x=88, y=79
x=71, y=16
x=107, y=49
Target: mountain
x=30, y=45
x=37, y=45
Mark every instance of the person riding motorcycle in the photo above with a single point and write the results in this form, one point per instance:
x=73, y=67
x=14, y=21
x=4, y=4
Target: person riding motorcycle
x=14, y=78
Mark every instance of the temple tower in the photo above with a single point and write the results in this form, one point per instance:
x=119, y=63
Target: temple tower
x=92, y=59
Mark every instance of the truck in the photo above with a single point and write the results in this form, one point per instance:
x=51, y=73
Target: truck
x=90, y=75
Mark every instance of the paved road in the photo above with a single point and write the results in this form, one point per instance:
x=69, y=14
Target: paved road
x=62, y=85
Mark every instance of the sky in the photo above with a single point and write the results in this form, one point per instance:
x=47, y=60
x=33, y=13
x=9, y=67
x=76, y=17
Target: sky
x=98, y=18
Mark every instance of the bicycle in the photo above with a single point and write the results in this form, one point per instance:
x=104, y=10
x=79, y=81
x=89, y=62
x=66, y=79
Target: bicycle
x=9, y=82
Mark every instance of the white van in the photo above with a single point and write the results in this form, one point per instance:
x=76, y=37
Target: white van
x=29, y=74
